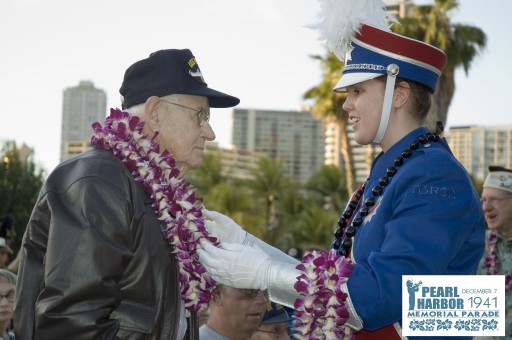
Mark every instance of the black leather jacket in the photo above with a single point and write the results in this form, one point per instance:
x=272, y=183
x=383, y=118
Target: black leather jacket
x=94, y=262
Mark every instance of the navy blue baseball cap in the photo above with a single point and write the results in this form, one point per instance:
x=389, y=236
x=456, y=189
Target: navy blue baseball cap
x=276, y=314
x=168, y=72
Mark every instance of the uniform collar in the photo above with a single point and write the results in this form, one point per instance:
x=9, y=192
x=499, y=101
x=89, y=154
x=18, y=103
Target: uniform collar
x=386, y=159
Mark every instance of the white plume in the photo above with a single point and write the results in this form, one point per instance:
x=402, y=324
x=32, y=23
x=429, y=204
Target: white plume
x=339, y=20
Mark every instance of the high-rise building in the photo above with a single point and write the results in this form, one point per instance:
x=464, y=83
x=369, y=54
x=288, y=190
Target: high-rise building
x=399, y=8
x=235, y=163
x=293, y=136
x=477, y=147
x=82, y=105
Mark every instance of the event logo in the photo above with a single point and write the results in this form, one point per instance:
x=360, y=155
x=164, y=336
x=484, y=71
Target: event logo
x=458, y=305
x=412, y=288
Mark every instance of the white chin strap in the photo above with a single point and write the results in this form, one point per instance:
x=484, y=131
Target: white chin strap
x=386, y=106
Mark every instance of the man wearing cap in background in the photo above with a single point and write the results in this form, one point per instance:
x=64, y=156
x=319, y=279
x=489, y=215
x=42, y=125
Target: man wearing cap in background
x=274, y=325
x=109, y=251
x=235, y=314
x=497, y=260
x=417, y=214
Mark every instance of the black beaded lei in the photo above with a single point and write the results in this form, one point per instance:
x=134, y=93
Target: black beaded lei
x=342, y=241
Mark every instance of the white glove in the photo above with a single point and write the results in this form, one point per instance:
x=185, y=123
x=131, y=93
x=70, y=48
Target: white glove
x=223, y=227
x=235, y=265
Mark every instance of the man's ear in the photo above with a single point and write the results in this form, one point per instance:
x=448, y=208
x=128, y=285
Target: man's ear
x=151, y=118
x=401, y=95
x=216, y=296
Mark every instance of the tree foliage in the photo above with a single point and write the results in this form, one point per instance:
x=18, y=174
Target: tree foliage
x=271, y=205
x=20, y=182
x=461, y=43
x=329, y=106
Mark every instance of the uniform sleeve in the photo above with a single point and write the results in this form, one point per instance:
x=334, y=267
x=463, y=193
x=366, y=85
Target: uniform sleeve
x=432, y=226
x=88, y=246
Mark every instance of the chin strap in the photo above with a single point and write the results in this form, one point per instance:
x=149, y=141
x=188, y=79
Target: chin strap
x=386, y=106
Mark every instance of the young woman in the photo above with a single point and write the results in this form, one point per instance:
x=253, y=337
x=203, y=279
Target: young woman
x=417, y=213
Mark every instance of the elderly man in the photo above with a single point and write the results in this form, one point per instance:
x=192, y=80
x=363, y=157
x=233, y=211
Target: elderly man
x=497, y=260
x=109, y=251
x=235, y=314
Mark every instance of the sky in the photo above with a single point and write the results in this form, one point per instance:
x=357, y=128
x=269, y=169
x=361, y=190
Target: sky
x=259, y=51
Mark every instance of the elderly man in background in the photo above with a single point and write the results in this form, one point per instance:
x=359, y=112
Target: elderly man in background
x=235, y=314
x=497, y=260
x=109, y=251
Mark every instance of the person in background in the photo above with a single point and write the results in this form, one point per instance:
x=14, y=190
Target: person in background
x=274, y=325
x=7, y=230
x=497, y=206
x=418, y=212
x=5, y=253
x=109, y=250
x=202, y=316
x=235, y=314
x=7, y=295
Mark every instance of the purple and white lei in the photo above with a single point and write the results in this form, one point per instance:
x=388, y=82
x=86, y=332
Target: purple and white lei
x=174, y=200
x=321, y=311
x=492, y=261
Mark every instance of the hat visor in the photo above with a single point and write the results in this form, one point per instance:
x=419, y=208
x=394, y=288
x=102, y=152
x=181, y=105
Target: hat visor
x=279, y=318
x=6, y=249
x=215, y=98
x=354, y=78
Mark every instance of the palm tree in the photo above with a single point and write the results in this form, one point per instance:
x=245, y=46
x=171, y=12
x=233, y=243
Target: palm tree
x=208, y=175
x=291, y=204
x=235, y=201
x=461, y=43
x=315, y=226
x=225, y=195
x=269, y=181
x=328, y=184
x=328, y=105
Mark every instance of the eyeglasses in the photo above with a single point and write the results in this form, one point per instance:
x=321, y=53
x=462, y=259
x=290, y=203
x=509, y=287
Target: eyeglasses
x=9, y=296
x=250, y=293
x=202, y=115
x=493, y=200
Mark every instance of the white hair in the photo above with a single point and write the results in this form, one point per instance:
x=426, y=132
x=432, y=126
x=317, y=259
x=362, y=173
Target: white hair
x=138, y=110
x=7, y=276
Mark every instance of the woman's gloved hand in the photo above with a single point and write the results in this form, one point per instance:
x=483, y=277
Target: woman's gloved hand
x=223, y=227
x=235, y=265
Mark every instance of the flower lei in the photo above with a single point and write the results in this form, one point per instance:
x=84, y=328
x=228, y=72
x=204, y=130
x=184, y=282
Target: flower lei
x=174, y=200
x=321, y=311
x=492, y=261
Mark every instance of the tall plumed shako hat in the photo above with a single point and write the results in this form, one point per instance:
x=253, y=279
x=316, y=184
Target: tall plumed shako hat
x=168, y=72
x=373, y=50
x=357, y=32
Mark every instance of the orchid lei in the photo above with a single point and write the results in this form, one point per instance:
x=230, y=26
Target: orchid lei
x=321, y=310
x=174, y=200
x=492, y=260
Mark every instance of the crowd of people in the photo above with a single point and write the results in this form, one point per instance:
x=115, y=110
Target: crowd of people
x=119, y=246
